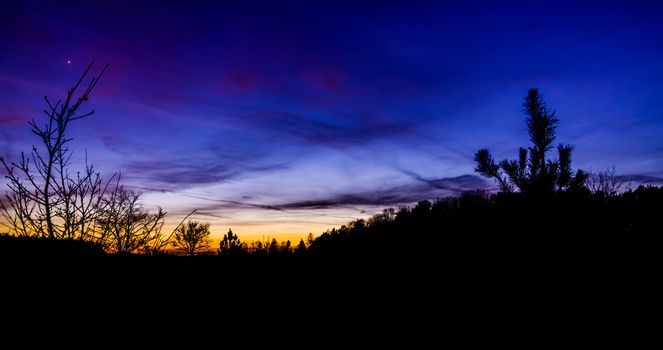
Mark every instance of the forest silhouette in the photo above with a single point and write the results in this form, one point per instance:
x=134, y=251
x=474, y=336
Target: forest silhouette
x=544, y=209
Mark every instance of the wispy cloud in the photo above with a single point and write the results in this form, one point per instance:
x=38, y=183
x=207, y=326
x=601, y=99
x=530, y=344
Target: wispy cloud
x=391, y=196
x=184, y=173
x=328, y=128
x=643, y=179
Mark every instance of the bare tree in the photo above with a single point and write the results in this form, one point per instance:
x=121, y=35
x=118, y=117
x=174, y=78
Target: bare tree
x=192, y=237
x=607, y=182
x=87, y=196
x=46, y=199
x=42, y=195
x=124, y=226
x=18, y=210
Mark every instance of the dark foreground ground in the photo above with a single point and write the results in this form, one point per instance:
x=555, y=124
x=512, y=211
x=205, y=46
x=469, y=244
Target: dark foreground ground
x=478, y=291
x=505, y=270
x=477, y=265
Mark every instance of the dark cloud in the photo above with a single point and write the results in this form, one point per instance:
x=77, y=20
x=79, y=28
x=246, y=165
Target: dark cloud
x=180, y=171
x=454, y=184
x=394, y=196
x=334, y=129
x=115, y=143
x=185, y=172
x=219, y=203
x=643, y=179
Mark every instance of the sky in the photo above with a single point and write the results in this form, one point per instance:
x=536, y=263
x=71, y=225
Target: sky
x=280, y=118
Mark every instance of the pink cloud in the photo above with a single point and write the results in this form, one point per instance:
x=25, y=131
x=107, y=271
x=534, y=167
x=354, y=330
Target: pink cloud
x=14, y=118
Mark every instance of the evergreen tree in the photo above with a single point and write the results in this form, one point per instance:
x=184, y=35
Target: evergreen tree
x=230, y=245
x=532, y=172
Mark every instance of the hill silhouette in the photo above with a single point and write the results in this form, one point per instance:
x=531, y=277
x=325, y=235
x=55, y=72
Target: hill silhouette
x=502, y=225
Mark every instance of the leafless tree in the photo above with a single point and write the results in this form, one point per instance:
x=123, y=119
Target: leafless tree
x=47, y=199
x=607, y=182
x=43, y=196
x=124, y=225
x=87, y=198
x=18, y=210
x=192, y=237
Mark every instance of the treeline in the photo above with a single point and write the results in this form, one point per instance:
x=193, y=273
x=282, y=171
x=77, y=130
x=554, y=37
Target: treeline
x=477, y=221
x=231, y=245
x=511, y=222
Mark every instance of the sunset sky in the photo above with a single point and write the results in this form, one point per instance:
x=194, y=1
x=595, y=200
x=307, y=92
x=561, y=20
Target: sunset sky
x=280, y=118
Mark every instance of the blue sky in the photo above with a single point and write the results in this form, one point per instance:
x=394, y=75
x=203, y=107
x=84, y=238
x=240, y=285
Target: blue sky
x=283, y=118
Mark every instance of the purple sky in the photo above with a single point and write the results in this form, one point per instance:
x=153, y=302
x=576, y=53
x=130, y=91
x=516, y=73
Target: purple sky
x=283, y=118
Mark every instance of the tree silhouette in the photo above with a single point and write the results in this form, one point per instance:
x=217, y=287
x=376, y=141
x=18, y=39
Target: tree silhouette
x=286, y=248
x=44, y=199
x=301, y=247
x=126, y=227
x=532, y=172
x=386, y=216
x=230, y=245
x=192, y=237
x=607, y=182
x=273, y=247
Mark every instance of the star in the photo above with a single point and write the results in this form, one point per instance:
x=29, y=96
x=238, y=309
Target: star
x=68, y=61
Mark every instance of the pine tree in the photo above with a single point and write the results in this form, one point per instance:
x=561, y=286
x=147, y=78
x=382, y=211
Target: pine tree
x=532, y=172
